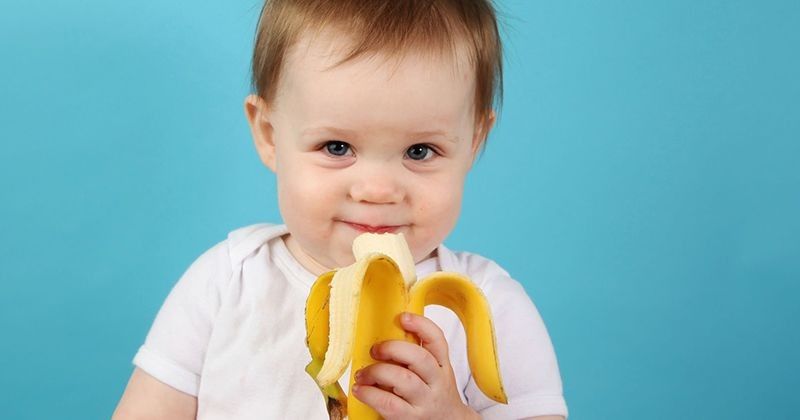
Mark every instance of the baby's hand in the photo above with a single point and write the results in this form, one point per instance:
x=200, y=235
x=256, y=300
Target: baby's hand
x=422, y=387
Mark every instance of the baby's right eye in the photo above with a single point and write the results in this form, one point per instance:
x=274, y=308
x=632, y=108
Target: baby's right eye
x=337, y=148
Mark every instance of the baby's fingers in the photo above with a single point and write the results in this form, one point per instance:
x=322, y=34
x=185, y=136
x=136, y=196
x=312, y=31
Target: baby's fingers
x=429, y=360
x=430, y=336
x=397, y=379
x=387, y=404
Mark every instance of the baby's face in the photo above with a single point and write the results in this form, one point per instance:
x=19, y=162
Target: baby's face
x=373, y=145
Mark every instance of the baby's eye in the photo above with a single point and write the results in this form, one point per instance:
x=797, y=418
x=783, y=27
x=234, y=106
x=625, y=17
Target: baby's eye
x=420, y=152
x=337, y=148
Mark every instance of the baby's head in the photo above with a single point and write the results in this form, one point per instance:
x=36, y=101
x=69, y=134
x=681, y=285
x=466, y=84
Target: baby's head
x=370, y=113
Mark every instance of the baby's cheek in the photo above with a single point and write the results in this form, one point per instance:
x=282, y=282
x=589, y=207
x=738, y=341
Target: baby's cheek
x=305, y=184
x=443, y=203
x=436, y=216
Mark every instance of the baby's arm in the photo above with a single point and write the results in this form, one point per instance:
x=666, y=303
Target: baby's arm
x=147, y=398
x=175, y=346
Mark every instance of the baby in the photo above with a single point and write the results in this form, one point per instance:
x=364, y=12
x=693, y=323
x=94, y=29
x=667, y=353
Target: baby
x=370, y=113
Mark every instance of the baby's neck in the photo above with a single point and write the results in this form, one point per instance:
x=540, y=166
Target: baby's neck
x=309, y=263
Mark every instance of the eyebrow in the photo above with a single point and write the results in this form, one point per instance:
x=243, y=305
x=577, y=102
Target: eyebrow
x=336, y=131
x=434, y=133
x=351, y=133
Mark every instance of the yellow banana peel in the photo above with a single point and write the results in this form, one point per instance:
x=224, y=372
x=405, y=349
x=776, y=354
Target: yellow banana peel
x=351, y=309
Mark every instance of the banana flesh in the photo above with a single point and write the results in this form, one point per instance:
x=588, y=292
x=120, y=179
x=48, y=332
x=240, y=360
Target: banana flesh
x=353, y=308
x=393, y=246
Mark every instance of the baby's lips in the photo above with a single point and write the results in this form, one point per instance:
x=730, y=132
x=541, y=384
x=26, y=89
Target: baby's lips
x=374, y=228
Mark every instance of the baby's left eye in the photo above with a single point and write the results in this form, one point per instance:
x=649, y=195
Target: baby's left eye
x=420, y=152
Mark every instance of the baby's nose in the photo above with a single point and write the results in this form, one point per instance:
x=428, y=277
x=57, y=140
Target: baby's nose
x=377, y=188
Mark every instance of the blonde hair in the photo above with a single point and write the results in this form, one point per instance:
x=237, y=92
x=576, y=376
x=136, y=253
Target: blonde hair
x=392, y=27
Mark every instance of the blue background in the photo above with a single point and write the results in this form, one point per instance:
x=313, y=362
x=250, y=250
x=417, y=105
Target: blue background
x=642, y=183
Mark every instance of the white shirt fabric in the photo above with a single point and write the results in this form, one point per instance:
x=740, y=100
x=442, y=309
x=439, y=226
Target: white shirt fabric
x=232, y=333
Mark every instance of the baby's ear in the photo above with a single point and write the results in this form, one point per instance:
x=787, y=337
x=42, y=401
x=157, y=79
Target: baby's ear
x=255, y=109
x=482, y=129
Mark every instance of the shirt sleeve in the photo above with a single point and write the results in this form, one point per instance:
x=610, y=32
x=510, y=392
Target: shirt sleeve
x=175, y=346
x=528, y=365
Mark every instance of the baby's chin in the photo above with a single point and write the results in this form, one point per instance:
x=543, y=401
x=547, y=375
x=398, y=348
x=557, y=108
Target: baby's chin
x=421, y=251
x=423, y=255
x=339, y=258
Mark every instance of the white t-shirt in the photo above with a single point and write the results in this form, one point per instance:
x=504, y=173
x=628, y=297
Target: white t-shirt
x=232, y=333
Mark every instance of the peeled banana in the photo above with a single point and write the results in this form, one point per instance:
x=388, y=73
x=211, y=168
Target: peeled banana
x=353, y=308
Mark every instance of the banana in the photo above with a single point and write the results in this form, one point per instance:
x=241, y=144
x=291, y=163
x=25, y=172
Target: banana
x=393, y=246
x=317, y=319
x=353, y=308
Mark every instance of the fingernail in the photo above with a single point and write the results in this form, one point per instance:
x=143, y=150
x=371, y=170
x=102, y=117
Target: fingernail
x=372, y=352
x=355, y=388
x=358, y=375
x=405, y=317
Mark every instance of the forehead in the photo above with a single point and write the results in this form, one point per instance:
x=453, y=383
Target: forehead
x=408, y=88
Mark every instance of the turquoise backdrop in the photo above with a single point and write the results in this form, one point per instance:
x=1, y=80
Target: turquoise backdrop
x=642, y=183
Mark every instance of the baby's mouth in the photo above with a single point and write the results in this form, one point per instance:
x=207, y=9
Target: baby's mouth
x=373, y=228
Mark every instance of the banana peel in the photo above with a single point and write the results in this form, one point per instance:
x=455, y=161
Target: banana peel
x=317, y=315
x=351, y=309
